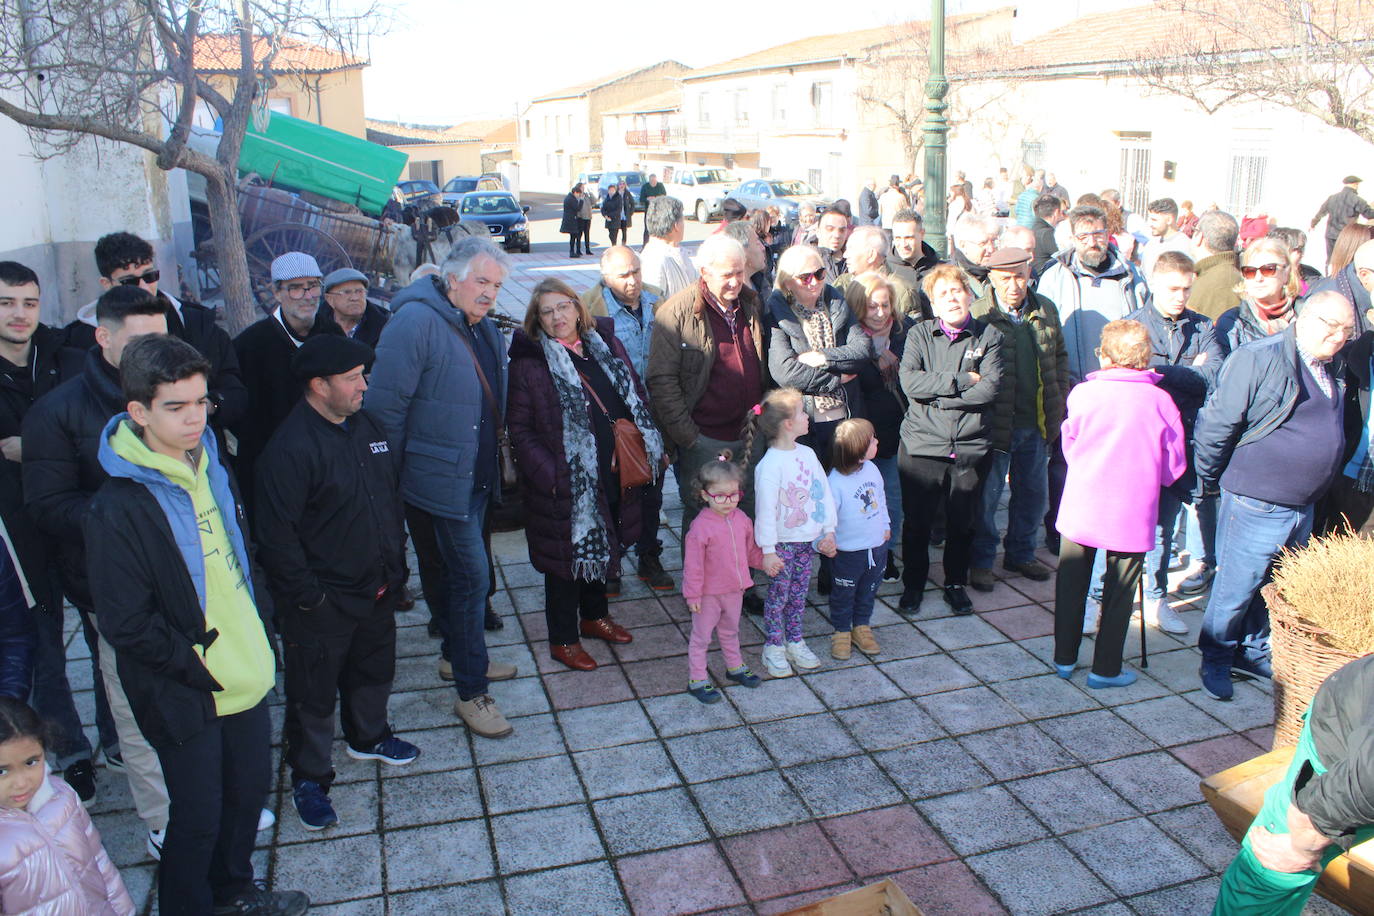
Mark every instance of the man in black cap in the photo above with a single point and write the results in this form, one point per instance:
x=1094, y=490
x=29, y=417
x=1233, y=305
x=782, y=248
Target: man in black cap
x=329, y=524
x=1341, y=209
x=346, y=305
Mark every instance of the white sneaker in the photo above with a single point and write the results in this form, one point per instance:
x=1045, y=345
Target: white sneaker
x=155, y=839
x=1092, y=616
x=1166, y=619
x=775, y=661
x=800, y=654
x=266, y=819
x=1198, y=580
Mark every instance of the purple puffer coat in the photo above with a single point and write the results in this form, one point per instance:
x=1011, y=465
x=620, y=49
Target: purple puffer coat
x=536, y=433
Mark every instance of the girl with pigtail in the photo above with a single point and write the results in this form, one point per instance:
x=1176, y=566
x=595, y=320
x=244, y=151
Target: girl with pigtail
x=794, y=517
x=717, y=554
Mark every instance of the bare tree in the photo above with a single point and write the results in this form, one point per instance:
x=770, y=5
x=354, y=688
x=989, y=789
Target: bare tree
x=126, y=70
x=1310, y=56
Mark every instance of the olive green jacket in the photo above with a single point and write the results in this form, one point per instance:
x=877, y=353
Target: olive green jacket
x=1053, y=367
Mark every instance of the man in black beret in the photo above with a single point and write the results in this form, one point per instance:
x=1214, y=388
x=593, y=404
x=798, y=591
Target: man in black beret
x=329, y=526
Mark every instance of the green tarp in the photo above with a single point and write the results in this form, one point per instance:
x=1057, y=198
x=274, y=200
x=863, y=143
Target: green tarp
x=301, y=156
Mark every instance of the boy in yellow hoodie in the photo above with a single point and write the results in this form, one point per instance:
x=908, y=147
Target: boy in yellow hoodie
x=168, y=566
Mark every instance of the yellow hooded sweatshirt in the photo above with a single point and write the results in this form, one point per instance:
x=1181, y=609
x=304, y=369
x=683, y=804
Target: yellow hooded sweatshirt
x=240, y=658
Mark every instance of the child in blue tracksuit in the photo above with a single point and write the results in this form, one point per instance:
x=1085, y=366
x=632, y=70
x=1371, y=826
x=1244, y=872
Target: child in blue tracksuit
x=861, y=534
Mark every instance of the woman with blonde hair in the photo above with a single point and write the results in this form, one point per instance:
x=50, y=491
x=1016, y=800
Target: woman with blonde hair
x=1267, y=292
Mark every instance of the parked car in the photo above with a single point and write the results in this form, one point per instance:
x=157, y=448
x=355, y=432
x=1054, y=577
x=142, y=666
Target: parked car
x=633, y=180
x=504, y=217
x=701, y=190
x=455, y=188
x=591, y=183
x=786, y=195
x=418, y=192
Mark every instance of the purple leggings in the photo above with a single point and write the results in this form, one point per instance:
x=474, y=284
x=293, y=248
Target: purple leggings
x=786, y=601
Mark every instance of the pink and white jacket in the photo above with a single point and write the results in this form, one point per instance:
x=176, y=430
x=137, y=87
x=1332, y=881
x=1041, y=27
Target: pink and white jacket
x=52, y=862
x=719, y=551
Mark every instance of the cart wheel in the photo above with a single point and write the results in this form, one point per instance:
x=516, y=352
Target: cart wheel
x=265, y=245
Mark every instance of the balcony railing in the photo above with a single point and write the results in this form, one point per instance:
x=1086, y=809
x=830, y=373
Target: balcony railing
x=668, y=136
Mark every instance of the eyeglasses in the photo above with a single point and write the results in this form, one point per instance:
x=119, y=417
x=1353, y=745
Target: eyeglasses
x=815, y=276
x=1097, y=236
x=1264, y=270
x=560, y=309
x=1336, y=329
x=721, y=499
x=149, y=277
x=299, y=291
x=353, y=292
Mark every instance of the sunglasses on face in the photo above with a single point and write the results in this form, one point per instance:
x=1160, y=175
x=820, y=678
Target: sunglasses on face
x=815, y=276
x=150, y=277
x=1264, y=270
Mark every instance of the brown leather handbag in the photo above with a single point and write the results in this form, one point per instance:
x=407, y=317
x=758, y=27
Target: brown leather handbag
x=630, y=459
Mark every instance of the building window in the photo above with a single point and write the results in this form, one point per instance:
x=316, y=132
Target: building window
x=527, y=128
x=1033, y=153
x=1135, y=170
x=740, y=101
x=822, y=103
x=703, y=109
x=815, y=178
x=1249, y=162
x=780, y=103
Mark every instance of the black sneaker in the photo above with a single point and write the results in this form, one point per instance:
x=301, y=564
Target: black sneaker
x=81, y=777
x=258, y=901
x=313, y=808
x=910, y=602
x=892, y=573
x=958, y=599
x=492, y=622
x=651, y=571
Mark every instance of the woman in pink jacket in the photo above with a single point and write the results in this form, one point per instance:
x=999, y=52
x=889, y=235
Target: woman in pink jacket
x=1123, y=440
x=51, y=860
x=717, y=554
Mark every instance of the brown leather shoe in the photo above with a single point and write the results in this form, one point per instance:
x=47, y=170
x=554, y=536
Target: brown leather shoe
x=607, y=629
x=574, y=656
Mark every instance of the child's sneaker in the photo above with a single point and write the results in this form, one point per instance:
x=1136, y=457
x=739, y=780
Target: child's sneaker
x=743, y=676
x=800, y=654
x=839, y=645
x=704, y=691
x=865, y=641
x=775, y=661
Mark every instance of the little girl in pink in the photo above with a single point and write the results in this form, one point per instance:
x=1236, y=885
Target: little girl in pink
x=717, y=555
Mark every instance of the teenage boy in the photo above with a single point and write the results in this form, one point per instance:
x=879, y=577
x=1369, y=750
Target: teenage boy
x=331, y=530
x=168, y=566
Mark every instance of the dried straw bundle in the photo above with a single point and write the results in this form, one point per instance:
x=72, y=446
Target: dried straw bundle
x=1330, y=583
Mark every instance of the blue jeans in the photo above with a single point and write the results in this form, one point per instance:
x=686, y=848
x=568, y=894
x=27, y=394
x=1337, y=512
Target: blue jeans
x=1028, y=464
x=1201, y=537
x=466, y=579
x=858, y=573
x=892, y=490
x=1157, y=560
x=1250, y=533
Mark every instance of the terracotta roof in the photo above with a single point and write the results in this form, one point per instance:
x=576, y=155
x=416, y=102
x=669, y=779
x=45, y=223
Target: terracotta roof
x=668, y=100
x=854, y=45
x=491, y=130
x=582, y=89
x=394, y=133
x=220, y=54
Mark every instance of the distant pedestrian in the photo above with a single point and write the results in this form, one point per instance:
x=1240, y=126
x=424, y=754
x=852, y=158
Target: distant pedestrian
x=570, y=226
x=1343, y=207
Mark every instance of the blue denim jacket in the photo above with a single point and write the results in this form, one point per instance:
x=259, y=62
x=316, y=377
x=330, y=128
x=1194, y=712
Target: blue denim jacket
x=633, y=330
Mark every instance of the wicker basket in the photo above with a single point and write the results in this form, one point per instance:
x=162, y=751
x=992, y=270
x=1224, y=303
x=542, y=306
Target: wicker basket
x=1302, y=660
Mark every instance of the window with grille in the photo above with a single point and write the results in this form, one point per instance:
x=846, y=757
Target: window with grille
x=1033, y=153
x=1135, y=171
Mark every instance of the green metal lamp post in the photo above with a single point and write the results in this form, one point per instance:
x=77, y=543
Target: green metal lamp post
x=936, y=129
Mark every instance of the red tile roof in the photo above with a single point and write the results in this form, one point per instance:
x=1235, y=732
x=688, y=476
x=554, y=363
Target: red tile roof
x=581, y=89
x=220, y=54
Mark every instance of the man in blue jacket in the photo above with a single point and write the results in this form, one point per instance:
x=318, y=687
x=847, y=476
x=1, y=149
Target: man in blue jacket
x=439, y=392
x=1278, y=399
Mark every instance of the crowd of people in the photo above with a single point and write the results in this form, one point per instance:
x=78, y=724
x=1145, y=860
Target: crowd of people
x=829, y=394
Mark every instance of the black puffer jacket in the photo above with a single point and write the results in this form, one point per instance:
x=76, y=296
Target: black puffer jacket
x=949, y=413
x=61, y=462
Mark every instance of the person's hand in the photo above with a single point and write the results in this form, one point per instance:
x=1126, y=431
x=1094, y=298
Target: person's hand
x=887, y=535
x=1277, y=852
x=887, y=359
x=975, y=376
x=827, y=545
x=12, y=448
x=1200, y=359
x=694, y=608
x=772, y=564
x=813, y=358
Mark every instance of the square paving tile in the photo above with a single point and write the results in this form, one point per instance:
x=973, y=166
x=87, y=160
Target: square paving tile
x=842, y=786
x=431, y=856
x=1020, y=750
x=1039, y=879
x=658, y=641
x=651, y=820
x=713, y=755
x=679, y=714
x=571, y=689
x=928, y=674
x=1216, y=754
x=874, y=842
x=999, y=662
x=314, y=866
x=535, y=736
x=1198, y=829
x=888, y=725
x=640, y=612
x=948, y=889
x=572, y=891
x=1044, y=696
x=440, y=749
x=771, y=803
x=1094, y=736
x=902, y=640
x=530, y=784
x=981, y=819
x=776, y=699
x=1025, y=622
x=805, y=739
x=626, y=769
x=960, y=632
x=656, y=677
x=854, y=686
x=689, y=879
x=522, y=841
x=605, y=726
x=969, y=710
x=1113, y=851
x=933, y=768
x=430, y=798
x=480, y=898
x=1071, y=799
x=1171, y=720
x=1152, y=782
x=1198, y=897
x=1250, y=707
x=786, y=860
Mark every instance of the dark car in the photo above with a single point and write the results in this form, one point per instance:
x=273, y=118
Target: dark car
x=419, y=192
x=634, y=181
x=501, y=212
x=787, y=196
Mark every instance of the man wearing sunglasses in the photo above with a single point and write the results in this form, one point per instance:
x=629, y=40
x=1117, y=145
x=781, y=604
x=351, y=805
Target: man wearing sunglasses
x=1270, y=438
x=124, y=259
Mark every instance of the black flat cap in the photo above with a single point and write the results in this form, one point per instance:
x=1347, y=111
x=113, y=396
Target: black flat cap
x=330, y=354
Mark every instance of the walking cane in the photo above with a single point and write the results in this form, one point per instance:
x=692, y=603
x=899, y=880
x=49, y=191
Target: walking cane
x=1144, y=659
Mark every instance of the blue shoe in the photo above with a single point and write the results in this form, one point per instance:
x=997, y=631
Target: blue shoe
x=1065, y=671
x=704, y=691
x=312, y=805
x=1244, y=669
x=743, y=676
x=391, y=751
x=1216, y=682
x=1124, y=679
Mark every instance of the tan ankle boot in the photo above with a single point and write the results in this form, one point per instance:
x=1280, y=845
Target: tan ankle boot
x=865, y=641
x=839, y=645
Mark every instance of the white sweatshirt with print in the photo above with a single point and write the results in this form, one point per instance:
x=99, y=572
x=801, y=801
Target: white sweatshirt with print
x=792, y=501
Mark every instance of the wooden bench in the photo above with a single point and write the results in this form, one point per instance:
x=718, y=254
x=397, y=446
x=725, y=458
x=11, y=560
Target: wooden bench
x=1237, y=794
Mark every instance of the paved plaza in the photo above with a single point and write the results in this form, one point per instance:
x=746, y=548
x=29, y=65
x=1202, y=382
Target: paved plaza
x=955, y=762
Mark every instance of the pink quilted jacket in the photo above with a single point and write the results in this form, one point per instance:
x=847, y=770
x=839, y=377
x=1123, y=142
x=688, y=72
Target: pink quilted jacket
x=51, y=860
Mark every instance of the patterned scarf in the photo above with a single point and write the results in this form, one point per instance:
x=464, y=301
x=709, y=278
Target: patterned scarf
x=591, y=544
x=820, y=334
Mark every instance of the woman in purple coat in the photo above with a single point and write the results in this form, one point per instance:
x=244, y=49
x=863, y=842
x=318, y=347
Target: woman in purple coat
x=570, y=381
x=1123, y=440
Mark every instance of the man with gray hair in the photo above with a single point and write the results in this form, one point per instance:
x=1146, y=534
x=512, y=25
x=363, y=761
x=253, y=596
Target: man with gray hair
x=1218, y=265
x=439, y=391
x=1017, y=237
x=975, y=239
x=865, y=251
x=662, y=261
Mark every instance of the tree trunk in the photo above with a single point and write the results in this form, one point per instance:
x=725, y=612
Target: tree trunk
x=240, y=308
